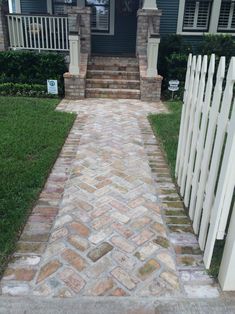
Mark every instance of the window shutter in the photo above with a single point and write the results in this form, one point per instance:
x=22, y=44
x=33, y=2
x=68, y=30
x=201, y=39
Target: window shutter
x=197, y=15
x=189, y=14
x=100, y=15
x=100, y=18
x=227, y=16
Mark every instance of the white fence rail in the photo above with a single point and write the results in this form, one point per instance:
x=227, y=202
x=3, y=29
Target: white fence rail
x=37, y=32
x=205, y=168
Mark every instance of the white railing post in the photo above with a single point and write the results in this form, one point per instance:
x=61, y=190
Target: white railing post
x=152, y=56
x=74, y=49
x=227, y=269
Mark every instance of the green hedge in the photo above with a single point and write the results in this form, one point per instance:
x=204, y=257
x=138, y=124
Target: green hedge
x=31, y=67
x=19, y=89
x=174, y=51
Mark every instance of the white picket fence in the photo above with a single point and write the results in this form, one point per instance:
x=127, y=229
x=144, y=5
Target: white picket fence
x=205, y=166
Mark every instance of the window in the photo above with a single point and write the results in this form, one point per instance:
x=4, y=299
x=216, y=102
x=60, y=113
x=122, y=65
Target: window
x=59, y=5
x=100, y=19
x=227, y=16
x=197, y=15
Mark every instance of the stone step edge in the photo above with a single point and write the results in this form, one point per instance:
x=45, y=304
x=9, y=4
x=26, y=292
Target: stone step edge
x=112, y=72
x=97, y=80
x=113, y=90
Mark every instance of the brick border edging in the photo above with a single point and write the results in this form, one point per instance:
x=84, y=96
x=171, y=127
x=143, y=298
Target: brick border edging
x=188, y=256
x=36, y=233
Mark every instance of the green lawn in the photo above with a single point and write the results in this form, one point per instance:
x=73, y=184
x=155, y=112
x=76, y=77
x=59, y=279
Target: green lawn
x=166, y=128
x=31, y=137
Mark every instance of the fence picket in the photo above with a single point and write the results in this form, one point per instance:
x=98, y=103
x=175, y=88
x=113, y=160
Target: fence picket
x=202, y=134
x=213, y=115
x=226, y=182
x=205, y=158
x=182, y=121
x=191, y=124
x=216, y=156
x=187, y=112
x=195, y=130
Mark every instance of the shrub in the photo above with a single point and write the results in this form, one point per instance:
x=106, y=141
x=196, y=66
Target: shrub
x=173, y=55
x=220, y=45
x=31, y=67
x=19, y=89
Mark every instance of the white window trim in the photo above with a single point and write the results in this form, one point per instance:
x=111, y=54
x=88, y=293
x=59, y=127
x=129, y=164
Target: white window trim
x=17, y=6
x=213, y=24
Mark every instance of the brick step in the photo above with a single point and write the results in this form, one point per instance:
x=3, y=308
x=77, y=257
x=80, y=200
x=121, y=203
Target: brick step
x=113, y=84
x=108, y=67
x=101, y=74
x=112, y=93
x=116, y=61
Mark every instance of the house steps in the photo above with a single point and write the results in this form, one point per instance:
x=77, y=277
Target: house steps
x=113, y=77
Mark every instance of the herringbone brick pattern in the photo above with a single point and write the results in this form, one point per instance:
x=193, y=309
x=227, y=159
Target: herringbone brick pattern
x=106, y=235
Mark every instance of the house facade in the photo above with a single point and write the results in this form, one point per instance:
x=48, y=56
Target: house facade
x=114, y=22
x=126, y=28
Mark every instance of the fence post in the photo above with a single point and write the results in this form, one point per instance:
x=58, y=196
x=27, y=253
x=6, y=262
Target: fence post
x=227, y=269
x=74, y=49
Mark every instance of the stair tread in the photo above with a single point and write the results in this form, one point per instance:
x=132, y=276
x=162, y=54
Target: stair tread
x=111, y=71
x=113, y=90
x=111, y=80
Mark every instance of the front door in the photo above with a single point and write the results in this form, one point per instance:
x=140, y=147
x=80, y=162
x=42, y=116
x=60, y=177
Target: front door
x=114, y=26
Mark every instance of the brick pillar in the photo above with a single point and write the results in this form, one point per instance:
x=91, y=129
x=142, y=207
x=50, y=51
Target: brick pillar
x=75, y=81
x=85, y=25
x=143, y=17
x=150, y=87
x=4, y=43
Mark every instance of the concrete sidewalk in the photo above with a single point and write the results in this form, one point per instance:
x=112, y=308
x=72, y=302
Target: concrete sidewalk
x=112, y=305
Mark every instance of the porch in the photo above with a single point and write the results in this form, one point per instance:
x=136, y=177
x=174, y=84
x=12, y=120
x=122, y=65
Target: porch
x=84, y=28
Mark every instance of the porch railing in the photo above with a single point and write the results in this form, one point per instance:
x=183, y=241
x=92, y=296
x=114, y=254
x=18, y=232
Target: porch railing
x=37, y=32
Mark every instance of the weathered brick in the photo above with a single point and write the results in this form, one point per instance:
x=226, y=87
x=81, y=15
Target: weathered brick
x=48, y=269
x=124, y=278
x=19, y=274
x=72, y=280
x=74, y=259
x=99, y=251
x=80, y=228
x=148, y=268
x=122, y=244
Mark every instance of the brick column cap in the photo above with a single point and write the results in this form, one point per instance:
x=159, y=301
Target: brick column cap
x=148, y=12
x=79, y=10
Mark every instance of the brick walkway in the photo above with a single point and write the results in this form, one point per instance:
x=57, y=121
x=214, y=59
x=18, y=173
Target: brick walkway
x=109, y=221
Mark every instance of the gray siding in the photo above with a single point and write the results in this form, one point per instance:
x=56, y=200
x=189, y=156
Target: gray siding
x=169, y=21
x=169, y=16
x=33, y=6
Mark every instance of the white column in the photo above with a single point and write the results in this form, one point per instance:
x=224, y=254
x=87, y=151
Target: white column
x=152, y=56
x=74, y=49
x=227, y=268
x=49, y=7
x=215, y=13
x=150, y=4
